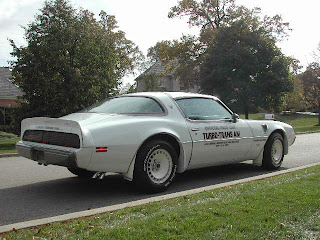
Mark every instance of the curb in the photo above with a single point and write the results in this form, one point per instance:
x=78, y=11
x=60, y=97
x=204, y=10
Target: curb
x=4, y=155
x=86, y=213
x=307, y=132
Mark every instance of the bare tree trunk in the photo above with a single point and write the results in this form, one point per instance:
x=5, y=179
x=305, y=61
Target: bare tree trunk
x=246, y=111
x=246, y=114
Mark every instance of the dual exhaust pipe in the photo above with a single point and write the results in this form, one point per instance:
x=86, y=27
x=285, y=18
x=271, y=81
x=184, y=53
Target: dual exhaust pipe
x=99, y=175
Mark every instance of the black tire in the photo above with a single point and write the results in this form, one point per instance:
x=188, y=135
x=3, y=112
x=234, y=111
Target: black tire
x=273, y=152
x=155, y=166
x=82, y=173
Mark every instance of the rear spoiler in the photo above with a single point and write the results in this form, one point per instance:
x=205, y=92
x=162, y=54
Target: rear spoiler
x=50, y=124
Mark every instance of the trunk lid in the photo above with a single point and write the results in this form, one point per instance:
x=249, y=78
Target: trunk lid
x=85, y=119
x=50, y=124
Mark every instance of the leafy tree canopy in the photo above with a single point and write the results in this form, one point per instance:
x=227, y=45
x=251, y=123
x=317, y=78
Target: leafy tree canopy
x=151, y=82
x=246, y=69
x=71, y=60
x=210, y=15
x=311, y=85
x=295, y=100
x=250, y=53
x=180, y=58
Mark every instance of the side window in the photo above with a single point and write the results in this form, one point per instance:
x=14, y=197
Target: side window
x=203, y=109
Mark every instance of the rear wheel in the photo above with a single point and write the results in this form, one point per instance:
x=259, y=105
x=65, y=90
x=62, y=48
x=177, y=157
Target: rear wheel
x=273, y=152
x=82, y=173
x=155, y=166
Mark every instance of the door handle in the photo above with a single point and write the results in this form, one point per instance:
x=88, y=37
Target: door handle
x=195, y=129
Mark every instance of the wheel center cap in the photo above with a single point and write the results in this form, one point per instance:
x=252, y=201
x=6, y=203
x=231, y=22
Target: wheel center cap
x=155, y=166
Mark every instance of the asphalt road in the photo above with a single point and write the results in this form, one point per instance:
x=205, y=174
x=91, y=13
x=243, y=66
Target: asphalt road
x=29, y=191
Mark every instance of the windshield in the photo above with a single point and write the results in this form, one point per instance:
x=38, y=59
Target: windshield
x=126, y=105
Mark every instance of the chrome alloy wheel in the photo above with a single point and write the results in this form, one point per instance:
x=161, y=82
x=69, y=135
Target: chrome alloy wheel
x=277, y=152
x=159, y=166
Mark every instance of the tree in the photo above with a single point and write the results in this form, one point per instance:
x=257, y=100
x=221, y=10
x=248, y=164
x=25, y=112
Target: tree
x=151, y=82
x=71, y=61
x=311, y=84
x=206, y=13
x=180, y=58
x=210, y=15
x=295, y=100
x=316, y=54
x=186, y=55
x=183, y=56
x=245, y=68
x=190, y=56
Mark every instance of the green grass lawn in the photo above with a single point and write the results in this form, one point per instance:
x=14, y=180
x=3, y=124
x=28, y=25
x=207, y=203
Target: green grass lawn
x=301, y=123
x=7, y=142
x=281, y=207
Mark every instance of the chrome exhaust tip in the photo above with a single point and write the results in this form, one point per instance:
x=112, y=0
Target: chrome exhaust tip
x=99, y=175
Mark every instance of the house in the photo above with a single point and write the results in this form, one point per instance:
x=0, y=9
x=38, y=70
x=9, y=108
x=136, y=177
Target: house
x=8, y=94
x=166, y=82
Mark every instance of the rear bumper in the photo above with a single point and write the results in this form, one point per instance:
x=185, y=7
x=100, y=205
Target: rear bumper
x=47, y=156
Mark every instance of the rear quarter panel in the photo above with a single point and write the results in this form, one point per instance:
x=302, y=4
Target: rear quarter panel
x=126, y=134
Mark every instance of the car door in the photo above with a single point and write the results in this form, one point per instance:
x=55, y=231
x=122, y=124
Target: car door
x=216, y=138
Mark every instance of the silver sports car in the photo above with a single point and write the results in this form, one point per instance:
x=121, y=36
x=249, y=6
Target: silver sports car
x=149, y=137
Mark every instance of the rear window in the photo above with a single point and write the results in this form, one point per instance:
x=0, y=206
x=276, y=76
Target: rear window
x=126, y=105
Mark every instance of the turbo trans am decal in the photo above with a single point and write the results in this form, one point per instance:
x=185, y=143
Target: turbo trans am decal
x=221, y=135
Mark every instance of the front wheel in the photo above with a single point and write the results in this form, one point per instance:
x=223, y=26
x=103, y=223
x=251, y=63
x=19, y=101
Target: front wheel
x=273, y=152
x=155, y=166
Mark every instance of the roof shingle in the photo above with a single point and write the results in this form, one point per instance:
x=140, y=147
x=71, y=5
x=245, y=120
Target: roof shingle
x=7, y=88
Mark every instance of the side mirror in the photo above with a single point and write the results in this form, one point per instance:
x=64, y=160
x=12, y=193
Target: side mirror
x=235, y=117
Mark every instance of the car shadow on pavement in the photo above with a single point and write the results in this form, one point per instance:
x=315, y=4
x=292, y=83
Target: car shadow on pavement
x=57, y=197
x=220, y=174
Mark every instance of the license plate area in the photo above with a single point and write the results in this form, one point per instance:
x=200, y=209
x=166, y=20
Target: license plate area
x=37, y=155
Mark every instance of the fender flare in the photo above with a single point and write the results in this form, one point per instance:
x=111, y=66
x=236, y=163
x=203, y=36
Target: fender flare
x=258, y=160
x=129, y=174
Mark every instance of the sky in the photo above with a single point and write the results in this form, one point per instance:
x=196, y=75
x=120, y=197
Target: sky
x=145, y=22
